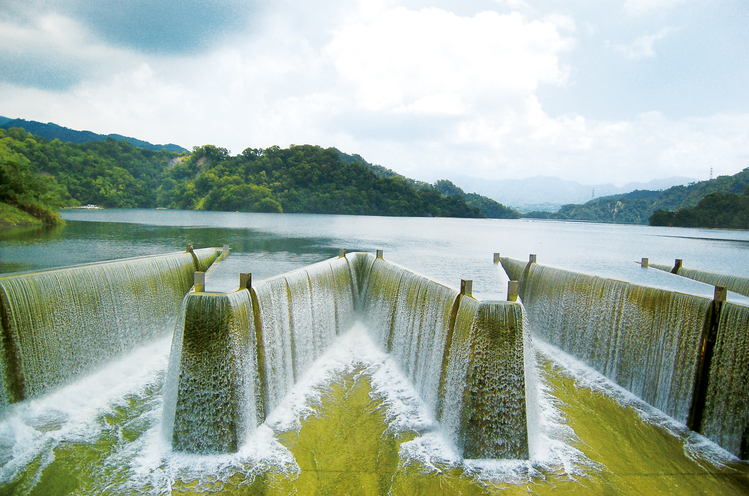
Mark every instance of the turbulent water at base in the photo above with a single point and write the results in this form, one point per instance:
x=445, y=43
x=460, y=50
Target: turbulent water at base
x=236, y=355
x=105, y=430
x=410, y=318
x=645, y=339
x=61, y=324
x=301, y=313
x=464, y=357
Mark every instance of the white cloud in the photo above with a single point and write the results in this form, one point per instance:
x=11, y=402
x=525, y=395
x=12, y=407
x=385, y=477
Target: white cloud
x=644, y=45
x=54, y=51
x=403, y=56
x=643, y=7
x=514, y=4
x=428, y=93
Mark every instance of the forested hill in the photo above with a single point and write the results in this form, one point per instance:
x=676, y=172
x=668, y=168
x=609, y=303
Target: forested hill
x=716, y=210
x=303, y=179
x=298, y=179
x=490, y=208
x=637, y=207
x=52, y=131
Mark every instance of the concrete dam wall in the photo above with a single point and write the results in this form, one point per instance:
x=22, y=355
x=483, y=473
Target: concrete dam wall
x=686, y=355
x=58, y=325
x=236, y=355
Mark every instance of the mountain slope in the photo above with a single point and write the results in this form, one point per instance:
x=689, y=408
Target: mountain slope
x=716, y=210
x=489, y=207
x=638, y=206
x=298, y=179
x=52, y=131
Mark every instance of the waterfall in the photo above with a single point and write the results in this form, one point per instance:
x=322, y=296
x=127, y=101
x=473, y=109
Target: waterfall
x=514, y=268
x=409, y=316
x=726, y=417
x=683, y=354
x=645, y=339
x=484, y=401
x=61, y=324
x=216, y=401
x=464, y=357
x=474, y=381
x=236, y=355
x=301, y=313
x=273, y=305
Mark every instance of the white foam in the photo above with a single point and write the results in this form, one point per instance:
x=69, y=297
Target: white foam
x=696, y=446
x=35, y=427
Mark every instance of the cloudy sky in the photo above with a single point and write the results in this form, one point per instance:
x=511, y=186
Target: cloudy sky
x=590, y=90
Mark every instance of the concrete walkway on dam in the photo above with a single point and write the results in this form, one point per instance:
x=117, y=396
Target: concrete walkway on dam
x=346, y=443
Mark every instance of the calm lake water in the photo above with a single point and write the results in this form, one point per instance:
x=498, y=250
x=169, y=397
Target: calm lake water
x=447, y=250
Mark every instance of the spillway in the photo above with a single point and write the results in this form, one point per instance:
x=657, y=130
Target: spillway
x=244, y=351
x=255, y=373
x=683, y=354
x=59, y=325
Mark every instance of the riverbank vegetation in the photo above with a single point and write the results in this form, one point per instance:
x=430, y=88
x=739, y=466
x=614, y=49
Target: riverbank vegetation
x=298, y=179
x=40, y=175
x=26, y=196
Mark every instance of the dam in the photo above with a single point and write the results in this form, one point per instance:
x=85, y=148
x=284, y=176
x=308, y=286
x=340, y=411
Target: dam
x=236, y=358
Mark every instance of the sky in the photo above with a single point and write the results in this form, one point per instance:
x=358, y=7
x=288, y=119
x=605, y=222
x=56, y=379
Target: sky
x=594, y=91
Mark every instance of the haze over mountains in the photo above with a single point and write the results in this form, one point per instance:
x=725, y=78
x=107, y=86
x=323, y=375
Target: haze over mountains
x=543, y=193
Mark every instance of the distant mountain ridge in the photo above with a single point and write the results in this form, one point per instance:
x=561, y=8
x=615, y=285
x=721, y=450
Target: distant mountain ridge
x=639, y=206
x=53, y=131
x=544, y=193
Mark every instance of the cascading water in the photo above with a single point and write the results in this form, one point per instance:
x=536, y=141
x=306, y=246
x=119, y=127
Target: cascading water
x=683, y=354
x=61, y=324
x=464, y=357
x=260, y=341
x=278, y=364
x=726, y=416
x=417, y=332
x=484, y=403
x=644, y=339
x=217, y=387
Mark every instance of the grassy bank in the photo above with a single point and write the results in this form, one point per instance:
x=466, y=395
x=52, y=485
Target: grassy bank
x=11, y=216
